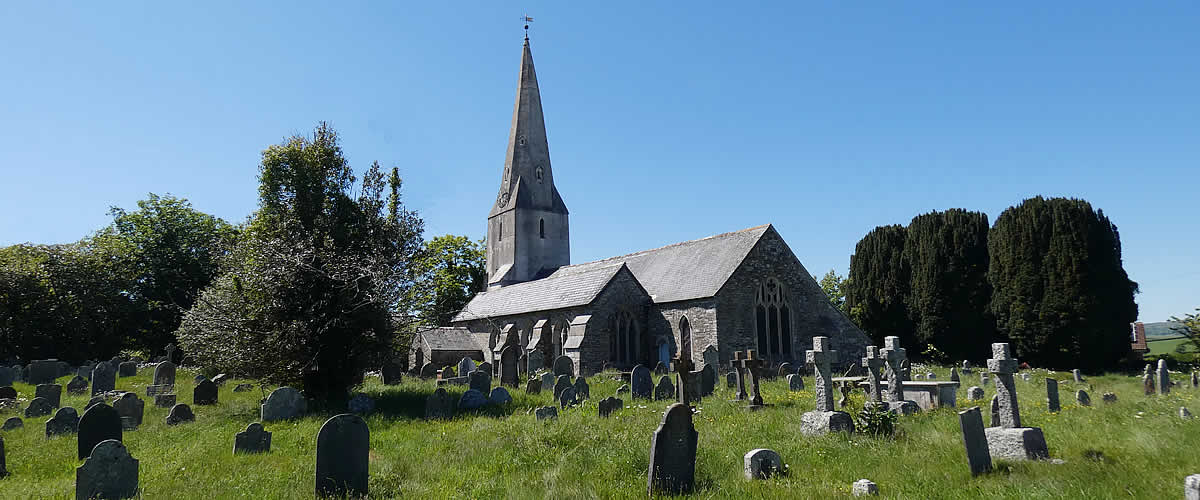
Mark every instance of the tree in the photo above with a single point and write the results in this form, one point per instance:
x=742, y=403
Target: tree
x=1060, y=293
x=1189, y=327
x=171, y=252
x=948, y=293
x=449, y=271
x=834, y=287
x=878, y=284
x=308, y=296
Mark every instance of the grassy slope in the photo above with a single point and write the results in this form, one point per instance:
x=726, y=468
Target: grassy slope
x=1147, y=450
x=1166, y=346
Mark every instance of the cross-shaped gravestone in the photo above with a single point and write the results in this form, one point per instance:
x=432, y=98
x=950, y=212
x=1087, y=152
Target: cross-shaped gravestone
x=170, y=352
x=738, y=368
x=894, y=355
x=821, y=357
x=1004, y=366
x=683, y=368
x=753, y=365
x=873, y=362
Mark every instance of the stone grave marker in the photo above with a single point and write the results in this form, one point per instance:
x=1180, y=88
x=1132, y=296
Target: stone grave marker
x=466, y=366
x=499, y=397
x=392, y=373
x=672, y=469
x=1191, y=485
x=8, y=392
x=995, y=411
x=199, y=378
x=164, y=400
x=480, y=381
x=983, y=378
x=1052, y=396
x=131, y=409
x=205, y=393
x=108, y=472
x=98, y=423
x=104, y=378
x=664, y=389
x=220, y=379
x=548, y=381
x=472, y=399
x=485, y=367
x=975, y=393
x=1010, y=440
x=708, y=380
x=546, y=413
x=39, y=407
x=127, y=369
x=763, y=463
x=535, y=360
x=1184, y=413
x=740, y=372
x=164, y=373
x=711, y=356
x=284, y=403
x=428, y=370
x=508, y=366
x=731, y=380
x=447, y=372
x=439, y=405
x=1148, y=384
x=244, y=387
x=825, y=418
x=864, y=488
x=77, y=385
x=624, y=389
x=795, y=382
x=3, y=465
x=660, y=368
x=1109, y=397
x=85, y=371
x=1081, y=396
x=582, y=390
x=93, y=402
x=954, y=374
x=609, y=405
x=534, y=386
x=1164, y=377
x=52, y=393
x=873, y=362
x=896, y=358
x=343, y=445
x=12, y=423
x=561, y=384
x=1003, y=365
x=567, y=397
x=684, y=392
x=1078, y=376
x=641, y=386
x=979, y=458
x=1195, y=380
x=64, y=421
x=752, y=367
x=785, y=369
x=564, y=366
x=254, y=439
x=179, y=414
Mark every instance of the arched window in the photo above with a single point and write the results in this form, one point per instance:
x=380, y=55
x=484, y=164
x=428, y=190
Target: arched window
x=625, y=339
x=772, y=319
x=500, y=233
x=542, y=228
x=561, y=330
x=685, y=339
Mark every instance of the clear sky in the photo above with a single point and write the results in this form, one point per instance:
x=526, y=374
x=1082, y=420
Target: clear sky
x=666, y=122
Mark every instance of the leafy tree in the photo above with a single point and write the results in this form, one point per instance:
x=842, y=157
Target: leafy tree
x=948, y=293
x=307, y=297
x=878, y=284
x=834, y=287
x=1189, y=327
x=449, y=271
x=1060, y=293
x=171, y=252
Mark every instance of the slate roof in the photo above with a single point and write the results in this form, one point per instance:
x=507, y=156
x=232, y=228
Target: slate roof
x=683, y=271
x=449, y=338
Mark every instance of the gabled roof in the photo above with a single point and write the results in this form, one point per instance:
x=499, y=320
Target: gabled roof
x=683, y=271
x=449, y=338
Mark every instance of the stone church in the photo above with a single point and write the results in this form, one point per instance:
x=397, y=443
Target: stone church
x=734, y=291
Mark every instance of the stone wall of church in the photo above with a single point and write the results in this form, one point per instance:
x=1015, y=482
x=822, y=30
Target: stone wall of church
x=665, y=322
x=812, y=314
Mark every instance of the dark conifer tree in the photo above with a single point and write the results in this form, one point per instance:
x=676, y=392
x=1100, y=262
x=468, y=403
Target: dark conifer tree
x=878, y=283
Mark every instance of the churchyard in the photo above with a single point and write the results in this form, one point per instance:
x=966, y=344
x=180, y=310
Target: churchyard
x=1135, y=447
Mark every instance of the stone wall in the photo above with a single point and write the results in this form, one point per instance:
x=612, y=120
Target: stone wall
x=702, y=320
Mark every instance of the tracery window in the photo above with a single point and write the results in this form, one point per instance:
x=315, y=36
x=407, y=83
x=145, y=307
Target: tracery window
x=623, y=347
x=773, y=319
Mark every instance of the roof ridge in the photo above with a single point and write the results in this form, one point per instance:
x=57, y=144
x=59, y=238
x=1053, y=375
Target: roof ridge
x=664, y=247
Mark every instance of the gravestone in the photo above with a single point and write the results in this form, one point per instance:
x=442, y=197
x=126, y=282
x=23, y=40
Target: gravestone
x=1184, y=413
x=1078, y=376
x=439, y=405
x=731, y=380
x=785, y=369
x=164, y=400
x=966, y=367
x=660, y=368
x=872, y=362
x=508, y=366
x=567, y=397
x=995, y=411
x=664, y=389
x=8, y=393
x=546, y=413
x=98, y=423
x=825, y=418
x=641, y=386
x=1191, y=484
x=624, y=389
x=108, y=472
x=18, y=372
x=582, y=389
x=864, y=488
x=1003, y=366
x=343, y=446
x=282, y=404
x=93, y=402
x=1052, y=396
x=205, y=393
x=1195, y=380
x=254, y=439
x=179, y=414
x=466, y=366
x=130, y=408
x=64, y=421
x=52, y=393
x=1081, y=396
x=752, y=366
x=711, y=357
x=844, y=400
x=564, y=366
x=472, y=399
x=534, y=386
x=979, y=459
x=906, y=370
x=548, y=381
x=1109, y=397
x=447, y=372
x=220, y=379
x=39, y=407
x=1164, y=377
x=361, y=404
x=480, y=381
x=685, y=392
x=762, y=463
x=12, y=423
x=930, y=376
x=795, y=382
x=428, y=370
x=6, y=376
x=708, y=380
x=535, y=360
x=85, y=371
x=740, y=371
x=392, y=372
x=672, y=469
x=486, y=367
x=77, y=385
x=499, y=397
x=127, y=369
x=199, y=378
x=1009, y=440
x=244, y=387
x=609, y=405
x=42, y=371
x=3, y=466
x=983, y=378
x=896, y=358
x=164, y=373
x=1148, y=384
x=561, y=384
x=104, y=378
x=954, y=374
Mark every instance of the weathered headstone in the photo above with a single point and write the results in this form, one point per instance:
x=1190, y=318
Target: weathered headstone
x=1164, y=377
x=77, y=385
x=254, y=439
x=439, y=405
x=763, y=463
x=711, y=356
x=1003, y=366
x=567, y=397
x=825, y=418
x=684, y=378
x=872, y=362
x=672, y=468
x=164, y=400
x=906, y=369
x=795, y=382
x=243, y=387
x=361, y=404
x=127, y=369
x=52, y=393
x=609, y=405
x=564, y=366
x=343, y=446
x=546, y=413
x=1077, y=375
x=220, y=379
x=752, y=366
x=641, y=385
x=447, y=372
x=64, y=421
x=1009, y=440
x=785, y=369
x=466, y=366
x=131, y=409
x=499, y=397
x=930, y=376
x=1109, y=397
x=561, y=384
x=535, y=360
x=1052, y=395
x=740, y=373
x=896, y=358
x=995, y=411
x=198, y=378
x=1081, y=396
x=98, y=423
x=6, y=376
x=109, y=472
x=205, y=393
x=954, y=374
x=660, y=368
x=533, y=386
x=983, y=378
x=391, y=373
x=1191, y=487
x=548, y=381
x=428, y=370
x=284, y=403
x=508, y=366
x=665, y=389
x=582, y=389
x=472, y=399
x=731, y=380
x=708, y=380
x=979, y=459
x=1148, y=385
x=93, y=402
x=624, y=389
x=480, y=381
x=164, y=373
x=12, y=423
x=39, y=407
x=864, y=488
x=179, y=414
x=104, y=378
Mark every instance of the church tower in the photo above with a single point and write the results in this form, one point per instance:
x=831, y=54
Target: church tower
x=527, y=234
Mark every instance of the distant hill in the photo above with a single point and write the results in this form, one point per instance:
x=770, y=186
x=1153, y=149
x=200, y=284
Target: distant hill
x=1161, y=329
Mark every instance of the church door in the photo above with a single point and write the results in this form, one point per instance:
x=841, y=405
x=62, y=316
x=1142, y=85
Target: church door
x=664, y=353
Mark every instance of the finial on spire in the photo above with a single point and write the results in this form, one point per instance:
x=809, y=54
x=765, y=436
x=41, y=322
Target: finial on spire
x=527, y=20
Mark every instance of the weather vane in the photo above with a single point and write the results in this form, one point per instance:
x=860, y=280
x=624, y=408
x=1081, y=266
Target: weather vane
x=527, y=20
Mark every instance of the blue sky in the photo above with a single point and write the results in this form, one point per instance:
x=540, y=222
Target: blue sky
x=665, y=123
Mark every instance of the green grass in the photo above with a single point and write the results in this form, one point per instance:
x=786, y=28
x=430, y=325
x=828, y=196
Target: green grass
x=1146, y=449
x=1166, y=346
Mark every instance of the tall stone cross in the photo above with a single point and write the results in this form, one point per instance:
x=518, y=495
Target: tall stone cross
x=873, y=362
x=894, y=355
x=683, y=371
x=821, y=357
x=738, y=368
x=752, y=365
x=1004, y=366
x=170, y=351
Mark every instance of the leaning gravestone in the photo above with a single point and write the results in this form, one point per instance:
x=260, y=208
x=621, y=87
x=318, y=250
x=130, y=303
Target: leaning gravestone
x=1081, y=396
x=954, y=374
x=979, y=458
x=1052, y=396
x=284, y=403
x=825, y=418
x=439, y=405
x=254, y=439
x=104, y=378
x=508, y=366
x=582, y=389
x=762, y=463
x=77, y=385
x=343, y=446
x=609, y=405
x=39, y=407
x=564, y=366
x=205, y=393
x=127, y=369
x=131, y=408
x=64, y=421
x=472, y=399
x=52, y=393
x=664, y=389
x=12, y=423
x=179, y=414
x=641, y=386
x=708, y=380
x=109, y=472
x=98, y=423
x=1010, y=440
x=480, y=381
x=672, y=468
